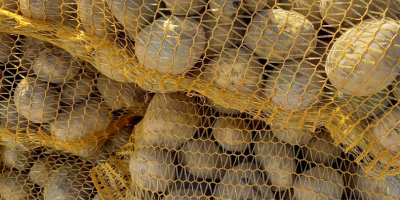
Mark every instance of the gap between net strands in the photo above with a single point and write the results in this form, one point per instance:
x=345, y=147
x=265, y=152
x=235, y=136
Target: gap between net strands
x=85, y=47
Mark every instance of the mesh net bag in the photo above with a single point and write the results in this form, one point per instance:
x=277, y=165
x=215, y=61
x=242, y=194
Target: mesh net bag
x=199, y=99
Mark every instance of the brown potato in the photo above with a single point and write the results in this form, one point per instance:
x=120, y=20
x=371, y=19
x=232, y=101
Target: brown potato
x=36, y=100
x=203, y=159
x=232, y=134
x=55, y=65
x=343, y=12
x=319, y=183
x=84, y=119
x=133, y=14
x=171, y=45
x=170, y=120
x=243, y=181
x=79, y=88
x=152, y=169
x=280, y=34
x=278, y=162
x=119, y=95
x=17, y=159
x=185, y=7
x=226, y=10
x=9, y=5
x=185, y=194
x=321, y=150
x=41, y=170
x=16, y=185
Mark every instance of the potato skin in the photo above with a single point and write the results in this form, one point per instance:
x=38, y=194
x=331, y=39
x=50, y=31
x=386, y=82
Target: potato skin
x=305, y=7
x=36, y=100
x=185, y=7
x=17, y=159
x=320, y=149
x=232, y=134
x=41, y=170
x=49, y=10
x=226, y=10
x=288, y=130
x=352, y=68
x=386, y=130
x=79, y=88
x=152, y=169
x=16, y=185
x=350, y=11
x=185, y=194
x=7, y=48
x=118, y=139
x=177, y=43
x=269, y=40
x=222, y=110
x=9, y=5
x=309, y=186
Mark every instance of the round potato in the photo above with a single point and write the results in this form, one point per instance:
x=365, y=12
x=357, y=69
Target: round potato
x=79, y=88
x=41, y=170
x=133, y=14
x=16, y=185
x=386, y=130
x=9, y=5
x=342, y=12
x=320, y=149
x=278, y=162
x=54, y=11
x=308, y=8
x=222, y=110
x=7, y=48
x=185, y=194
x=17, y=159
x=171, y=45
x=234, y=70
x=291, y=131
x=280, y=34
x=170, y=120
x=185, y=7
x=203, y=159
x=119, y=95
x=36, y=100
x=55, y=66
x=152, y=169
x=84, y=119
x=367, y=64
x=243, y=181
x=233, y=134
x=319, y=183
x=226, y=10
x=294, y=86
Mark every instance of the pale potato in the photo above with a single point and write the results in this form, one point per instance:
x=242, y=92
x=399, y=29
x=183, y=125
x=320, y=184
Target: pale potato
x=319, y=183
x=171, y=45
x=17, y=159
x=55, y=65
x=321, y=150
x=226, y=10
x=16, y=185
x=294, y=85
x=203, y=159
x=185, y=194
x=278, y=162
x=170, y=120
x=280, y=34
x=119, y=95
x=343, y=12
x=234, y=70
x=152, y=169
x=291, y=131
x=134, y=14
x=243, y=181
x=233, y=134
x=386, y=130
x=9, y=5
x=368, y=64
x=79, y=88
x=36, y=100
x=222, y=110
x=84, y=119
x=185, y=7
x=41, y=170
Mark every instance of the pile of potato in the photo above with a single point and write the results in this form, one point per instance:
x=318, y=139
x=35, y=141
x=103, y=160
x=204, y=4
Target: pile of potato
x=295, y=54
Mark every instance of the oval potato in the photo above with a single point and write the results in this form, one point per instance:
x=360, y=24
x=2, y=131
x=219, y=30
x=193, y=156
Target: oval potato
x=79, y=88
x=232, y=134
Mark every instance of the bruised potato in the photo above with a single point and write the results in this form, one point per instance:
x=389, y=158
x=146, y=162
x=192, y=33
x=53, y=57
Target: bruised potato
x=36, y=100
x=152, y=169
x=233, y=134
x=16, y=185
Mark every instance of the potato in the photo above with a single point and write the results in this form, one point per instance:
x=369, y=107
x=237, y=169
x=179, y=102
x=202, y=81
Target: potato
x=226, y=10
x=41, y=170
x=133, y=14
x=321, y=150
x=152, y=169
x=8, y=48
x=184, y=7
x=55, y=66
x=291, y=130
x=319, y=183
x=10, y=118
x=308, y=8
x=171, y=45
x=18, y=159
x=118, y=139
x=119, y=95
x=396, y=88
x=9, y=5
x=221, y=35
x=85, y=119
x=96, y=18
x=386, y=130
x=233, y=134
x=36, y=100
x=185, y=194
x=79, y=88
x=234, y=70
x=280, y=34
x=243, y=181
x=258, y=5
x=278, y=162
x=294, y=85
x=30, y=48
x=222, y=110
x=170, y=120
x=69, y=182
x=378, y=8
x=343, y=12
x=99, y=197
x=16, y=185
x=374, y=189
x=367, y=65
x=54, y=11
x=203, y=159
